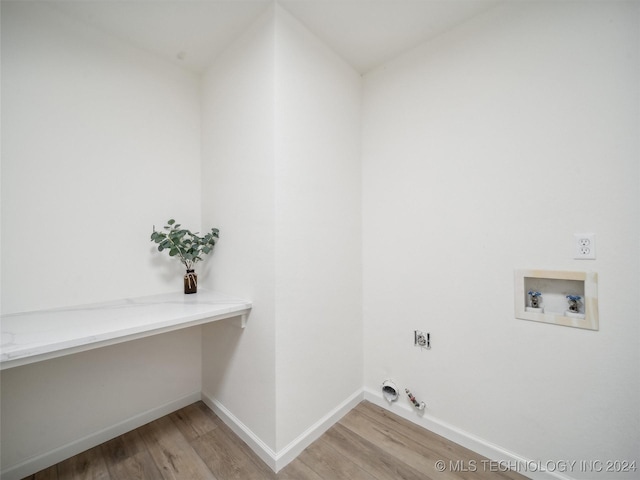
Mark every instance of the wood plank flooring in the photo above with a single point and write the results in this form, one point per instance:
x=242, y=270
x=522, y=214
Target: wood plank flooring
x=369, y=443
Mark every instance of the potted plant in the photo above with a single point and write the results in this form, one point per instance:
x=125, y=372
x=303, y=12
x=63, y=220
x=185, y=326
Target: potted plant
x=187, y=246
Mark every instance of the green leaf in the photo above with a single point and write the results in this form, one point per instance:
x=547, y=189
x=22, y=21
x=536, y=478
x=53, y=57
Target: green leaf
x=191, y=247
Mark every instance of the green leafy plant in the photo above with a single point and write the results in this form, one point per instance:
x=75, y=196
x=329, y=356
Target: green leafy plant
x=182, y=243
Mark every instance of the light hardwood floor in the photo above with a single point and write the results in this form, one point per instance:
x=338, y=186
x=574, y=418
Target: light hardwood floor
x=369, y=443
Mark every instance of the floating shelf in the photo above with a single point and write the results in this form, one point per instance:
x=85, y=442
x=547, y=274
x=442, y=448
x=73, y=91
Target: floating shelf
x=554, y=286
x=36, y=336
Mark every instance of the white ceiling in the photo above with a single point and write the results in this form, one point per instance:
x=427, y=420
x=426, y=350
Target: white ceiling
x=366, y=33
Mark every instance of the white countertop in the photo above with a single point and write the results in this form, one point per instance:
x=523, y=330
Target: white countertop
x=31, y=337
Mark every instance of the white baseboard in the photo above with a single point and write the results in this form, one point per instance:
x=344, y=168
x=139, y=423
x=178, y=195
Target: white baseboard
x=266, y=454
x=466, y=439
x=40, y=462
x=280, y=459
x=306, y=438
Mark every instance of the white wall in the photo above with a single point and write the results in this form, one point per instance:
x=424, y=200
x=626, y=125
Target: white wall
x=282, y=180
x=238, y=198
x=91, y=145
x=56, y=409
x=318, y=229
x=484, y=151
x=100, y=142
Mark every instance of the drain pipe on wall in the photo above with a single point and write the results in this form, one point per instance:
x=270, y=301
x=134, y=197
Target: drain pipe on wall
x=390, y=393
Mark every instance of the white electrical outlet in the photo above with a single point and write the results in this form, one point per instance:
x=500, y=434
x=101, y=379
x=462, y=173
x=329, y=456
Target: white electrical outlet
x=585, y=246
